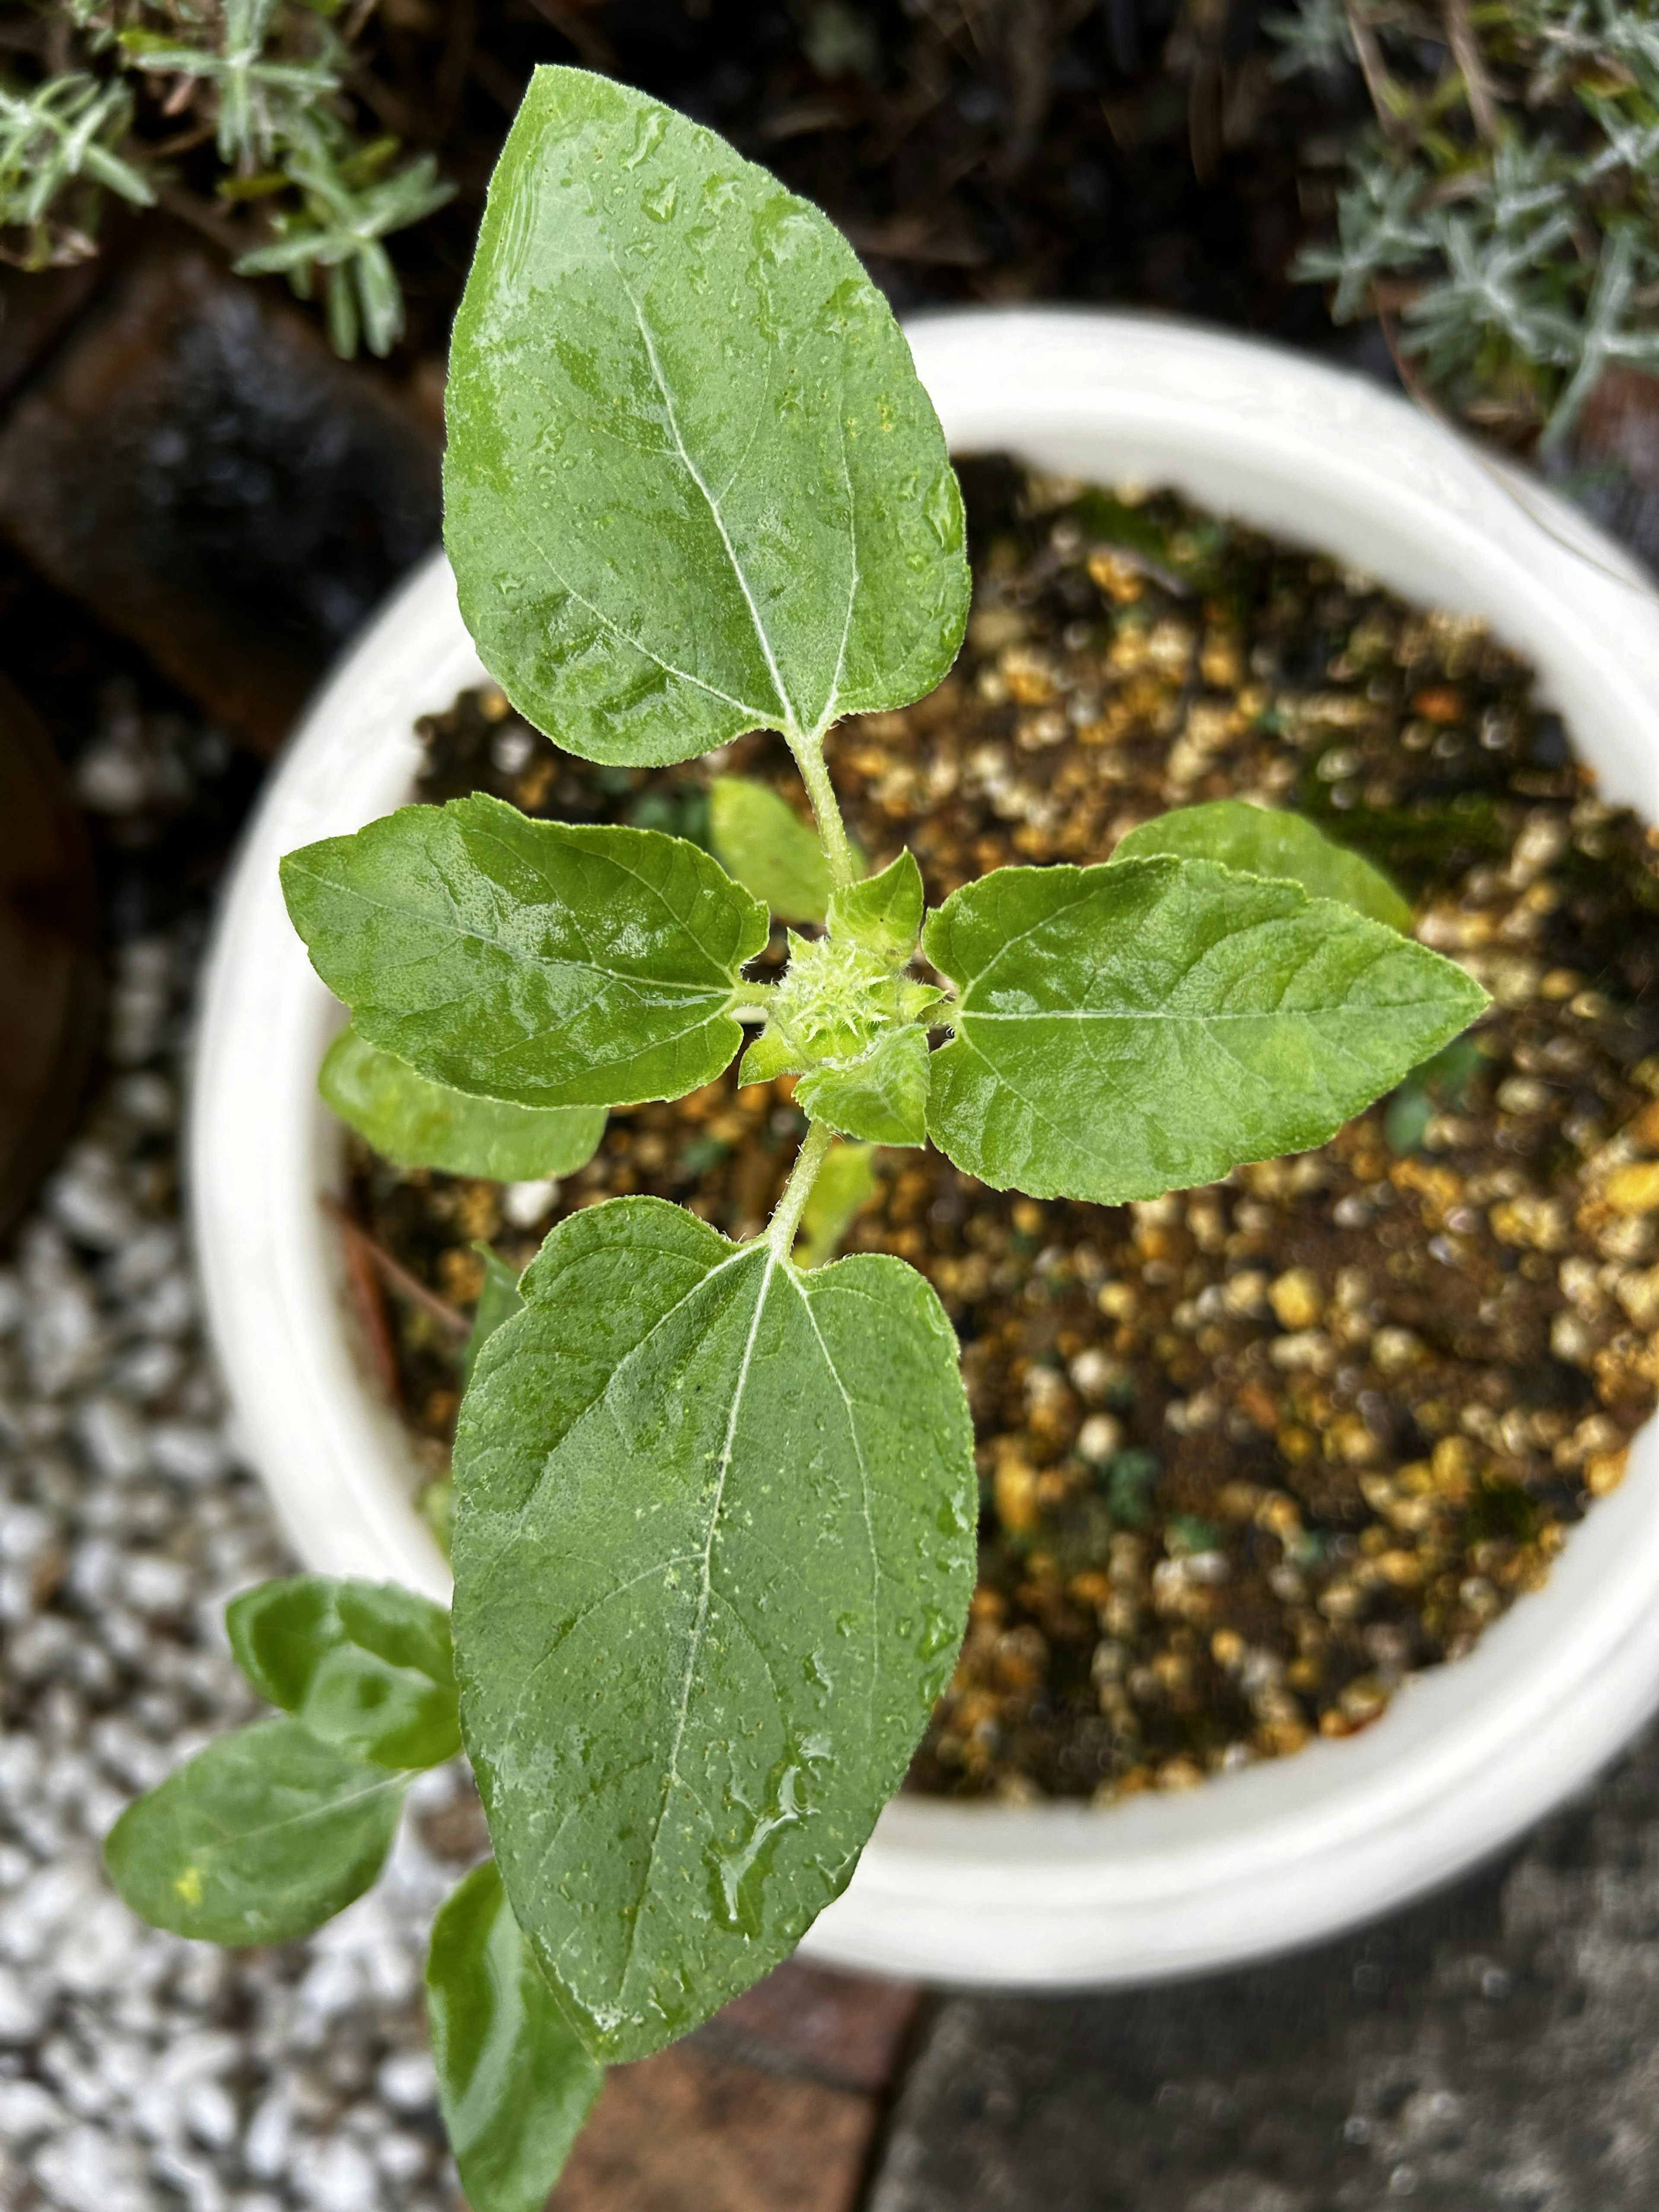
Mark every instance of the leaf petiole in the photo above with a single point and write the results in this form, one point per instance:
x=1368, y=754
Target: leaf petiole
x=786, y=1215
x=826, y=812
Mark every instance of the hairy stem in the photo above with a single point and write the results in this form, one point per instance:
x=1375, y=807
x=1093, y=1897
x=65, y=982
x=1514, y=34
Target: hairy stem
x=1466, y=52
x=1378, y=83
x=786, y=1215
x=832, y=830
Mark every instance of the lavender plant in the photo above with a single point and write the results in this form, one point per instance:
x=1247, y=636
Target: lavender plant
x=714, y=1502
x=265, y=79
x=1501, y=213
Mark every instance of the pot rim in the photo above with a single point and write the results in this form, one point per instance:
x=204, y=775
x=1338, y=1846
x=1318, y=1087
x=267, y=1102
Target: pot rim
x=1468, y=1755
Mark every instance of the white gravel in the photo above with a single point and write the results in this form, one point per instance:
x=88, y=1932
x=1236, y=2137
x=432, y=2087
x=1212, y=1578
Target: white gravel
x=139, y=2072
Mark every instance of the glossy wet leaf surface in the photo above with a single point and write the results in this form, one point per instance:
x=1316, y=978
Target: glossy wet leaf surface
x=537, y=962
x=714, y=1546
x=414, y=1123
x=692, y=485
x=1262, y=840
x=762, y=843
x=262, y=1836
x=514, y=2080
x=365, y=1665
x=1128, y=1029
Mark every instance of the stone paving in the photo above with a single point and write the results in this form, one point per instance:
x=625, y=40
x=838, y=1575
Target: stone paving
x=1494, y=2050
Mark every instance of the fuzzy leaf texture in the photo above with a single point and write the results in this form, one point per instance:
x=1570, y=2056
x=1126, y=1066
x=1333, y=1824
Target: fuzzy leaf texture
x=692, y=484
x=1260, y=840
x=762, y=843
x=417, y=1124
x=883, y=914
x=365, y=1665
x=260, y=1838
x=881, y=1097
x=1127, y=1029
x=535, y=961
x=515, y=2080
x=714, y=1546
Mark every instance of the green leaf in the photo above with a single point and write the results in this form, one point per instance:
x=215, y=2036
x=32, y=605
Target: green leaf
x=262, y=1836
x=532, y=961
x=762, y=844
x=847, y=1182
x=498, y=1300
x=881, y=1097
x=417, y=1124
x=714, y=1546
x=365, y=1665
x=883, y=915
x=1132, y=1029
x=692, y=484
x=514, y=2080
x=1260, y=840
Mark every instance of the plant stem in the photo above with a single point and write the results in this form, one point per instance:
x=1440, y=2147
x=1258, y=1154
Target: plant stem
x=786, y=1215
x=832, y=830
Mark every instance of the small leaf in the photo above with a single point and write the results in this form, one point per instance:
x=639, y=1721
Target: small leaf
x=262, y=1837
x=883, y=915
x=881, y=1097
x=498, y=1300
x=847, y=1182
x=537, y=962
x=760, y=842
x=714, y=1546
x=692, y=484
x=1137, y=1028
x=768, y=1056
x=365, y=1665
x=1260, y=840
x=515, y=2080
x=417, y=1124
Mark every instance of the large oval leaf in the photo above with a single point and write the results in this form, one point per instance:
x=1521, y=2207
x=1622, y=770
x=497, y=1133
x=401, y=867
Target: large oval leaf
x=714, y=1546
x=1124, y=1030
x=418, y=1123
x=548, y=964
x=262, y=1836
x=1261, y=840
x=692, y=484
x=515, y=2080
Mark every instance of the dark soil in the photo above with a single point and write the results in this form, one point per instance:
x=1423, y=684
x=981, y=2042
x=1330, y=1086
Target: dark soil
x=1250, y=1454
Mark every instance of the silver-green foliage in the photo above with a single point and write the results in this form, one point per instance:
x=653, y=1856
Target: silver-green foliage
x=268, y=78
x=714, y=1502
x=1505, y=204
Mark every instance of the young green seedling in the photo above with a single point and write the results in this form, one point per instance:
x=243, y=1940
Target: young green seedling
x=714, y=1509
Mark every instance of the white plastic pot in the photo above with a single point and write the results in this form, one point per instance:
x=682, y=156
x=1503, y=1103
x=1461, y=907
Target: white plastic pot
x=1467, y=1756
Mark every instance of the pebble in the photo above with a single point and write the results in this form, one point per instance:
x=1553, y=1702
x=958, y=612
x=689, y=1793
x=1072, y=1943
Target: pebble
x=137, y=2071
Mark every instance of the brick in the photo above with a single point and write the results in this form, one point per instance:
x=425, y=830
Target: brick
x=48, y=941
x=36, y=307
x=691, y=2131
x=194, y=464
x=851, y=2030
